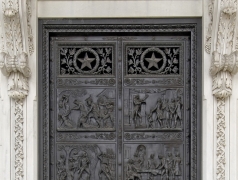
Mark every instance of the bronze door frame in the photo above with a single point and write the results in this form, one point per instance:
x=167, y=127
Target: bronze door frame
x=186, y=32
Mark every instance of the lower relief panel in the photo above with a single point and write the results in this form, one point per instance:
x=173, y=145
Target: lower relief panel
x=86, y=162
x=153, y=161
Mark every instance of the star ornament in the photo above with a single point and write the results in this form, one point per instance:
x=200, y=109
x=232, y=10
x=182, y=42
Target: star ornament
x=153, y=61
x=86, y=61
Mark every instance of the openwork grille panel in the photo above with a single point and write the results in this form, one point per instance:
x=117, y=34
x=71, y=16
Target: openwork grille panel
x=153, y=60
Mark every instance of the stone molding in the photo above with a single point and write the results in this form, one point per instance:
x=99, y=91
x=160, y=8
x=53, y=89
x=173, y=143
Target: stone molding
x=221, y=43
x=16, y=46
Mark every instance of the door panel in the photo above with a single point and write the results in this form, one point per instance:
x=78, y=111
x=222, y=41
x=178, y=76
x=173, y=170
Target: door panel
x=153, y=115
x=120, y=107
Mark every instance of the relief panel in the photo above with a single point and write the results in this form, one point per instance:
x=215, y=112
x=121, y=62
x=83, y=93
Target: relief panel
x=85, y=109
x=153, y=108
x=86, y=162
x=153, y=161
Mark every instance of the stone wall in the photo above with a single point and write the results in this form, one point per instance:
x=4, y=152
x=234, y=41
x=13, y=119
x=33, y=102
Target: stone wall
x=10, y=166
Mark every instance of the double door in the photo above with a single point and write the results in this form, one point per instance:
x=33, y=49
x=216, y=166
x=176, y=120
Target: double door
x=120, y=107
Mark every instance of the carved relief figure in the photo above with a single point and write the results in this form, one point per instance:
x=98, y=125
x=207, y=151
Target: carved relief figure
x=161, y=165
x=131, y=171
x=152, y=164
x=169, y=166
x=72, y=166
x=84, y=166
x=104, y=168
x=93, y=110
x=172, y=107
x=137, y=101
x=107, y=164
x=82, y=119
x=158, y=111
x=61, y=172
x=178, y=112
x=177, y=163
x=139, y=156
x=65, y=112
x=165, y=109
x=106, y=111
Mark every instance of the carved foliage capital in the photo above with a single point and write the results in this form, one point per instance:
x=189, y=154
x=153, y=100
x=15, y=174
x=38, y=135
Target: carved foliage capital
x=224, y=54
x=222, y=69
x=14, y=55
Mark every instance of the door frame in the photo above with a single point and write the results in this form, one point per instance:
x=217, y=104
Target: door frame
x=48, y=27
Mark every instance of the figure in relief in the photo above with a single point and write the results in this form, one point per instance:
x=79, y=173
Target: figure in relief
x=152, y=164
x=161, y=165
x=65, y=112
x=61, y=172
x=139, y=156
x=169, y=166
x=172, y=107
x=82, y=119
x=177, y=162
x=104, y=166
x=73, y=164
x=178, y=112
x=158, y=111
x=93, y=110
x=106, y=111
x=165, y=109
x=137, y=101
x=132, y=171
x=84, y=166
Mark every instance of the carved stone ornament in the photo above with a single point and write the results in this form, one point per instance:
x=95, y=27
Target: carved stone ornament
x=17, y=44
x=224, y=65
x=14, y=55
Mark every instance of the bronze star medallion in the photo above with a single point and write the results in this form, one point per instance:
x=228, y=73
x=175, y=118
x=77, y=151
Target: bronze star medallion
x=153, y=60
x=86, y=61
x=86, y=66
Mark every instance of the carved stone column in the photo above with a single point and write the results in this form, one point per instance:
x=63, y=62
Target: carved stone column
x=16, y=46
x=221, y=40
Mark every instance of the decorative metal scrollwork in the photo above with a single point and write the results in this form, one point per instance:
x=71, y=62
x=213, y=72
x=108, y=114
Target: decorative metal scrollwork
x=86, y=61
x=153, y=60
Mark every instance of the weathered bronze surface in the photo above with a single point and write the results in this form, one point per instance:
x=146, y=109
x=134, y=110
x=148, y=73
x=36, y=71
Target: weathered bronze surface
x=120, y=106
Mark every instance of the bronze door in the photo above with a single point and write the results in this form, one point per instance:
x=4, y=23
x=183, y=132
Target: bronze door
x=120, y=107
